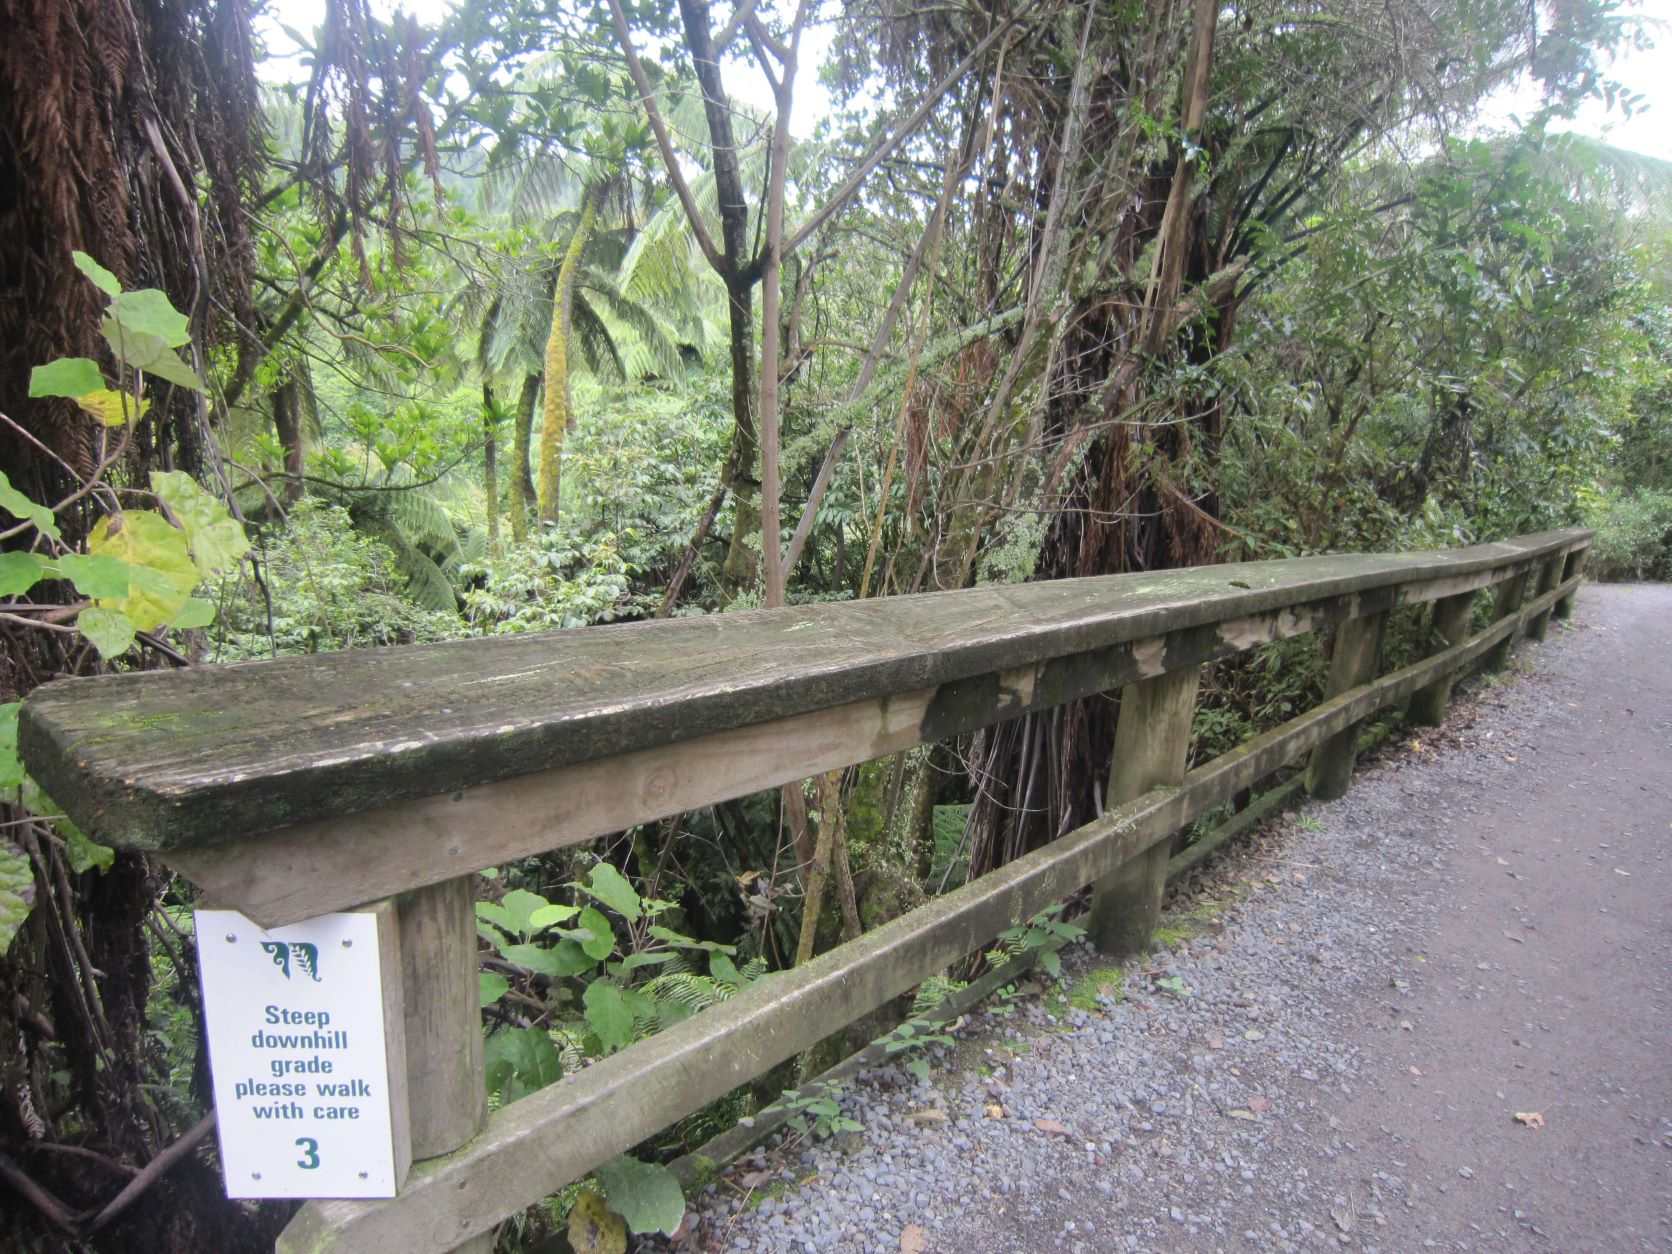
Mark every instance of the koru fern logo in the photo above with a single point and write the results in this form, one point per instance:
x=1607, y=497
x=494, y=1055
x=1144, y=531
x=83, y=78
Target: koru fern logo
x=305, y=955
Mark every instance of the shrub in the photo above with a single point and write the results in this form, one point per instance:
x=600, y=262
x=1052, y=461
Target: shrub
x=1634, y=536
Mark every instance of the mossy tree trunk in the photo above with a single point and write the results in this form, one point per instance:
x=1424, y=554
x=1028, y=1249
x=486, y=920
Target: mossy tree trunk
x=559, y=408
x=522, y=441
x=490, y=464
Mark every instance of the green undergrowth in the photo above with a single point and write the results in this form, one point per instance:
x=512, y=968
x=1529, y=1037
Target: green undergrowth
x=1188, y=923
x=1099, y=982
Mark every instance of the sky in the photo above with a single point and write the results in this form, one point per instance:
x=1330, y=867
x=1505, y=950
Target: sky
x=1648, y=72
x=1647, y=131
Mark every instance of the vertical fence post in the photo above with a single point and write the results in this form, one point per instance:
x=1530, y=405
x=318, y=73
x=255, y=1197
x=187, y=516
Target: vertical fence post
x=1549, y=575
x=1506, y=601
x=1448, y=625
x=1152, y=740
x=1358, y=643
x=447, y=1092
x=1574, y=563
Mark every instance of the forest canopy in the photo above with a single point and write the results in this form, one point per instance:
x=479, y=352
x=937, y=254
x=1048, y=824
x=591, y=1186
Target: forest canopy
x=532, y=316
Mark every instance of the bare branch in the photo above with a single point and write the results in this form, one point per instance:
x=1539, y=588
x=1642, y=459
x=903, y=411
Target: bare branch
x=743, y=13
x=670, y=157
x=882, y=148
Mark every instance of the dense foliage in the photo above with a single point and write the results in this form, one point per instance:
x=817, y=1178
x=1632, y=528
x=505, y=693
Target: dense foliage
x=529, y=322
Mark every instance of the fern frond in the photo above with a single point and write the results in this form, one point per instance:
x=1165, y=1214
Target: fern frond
x=597, y=346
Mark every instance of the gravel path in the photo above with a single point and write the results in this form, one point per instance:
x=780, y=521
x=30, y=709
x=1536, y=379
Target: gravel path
x=1335, y=1056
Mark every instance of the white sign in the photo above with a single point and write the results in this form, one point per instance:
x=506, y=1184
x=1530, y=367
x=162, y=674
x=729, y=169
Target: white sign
x=299, y=1056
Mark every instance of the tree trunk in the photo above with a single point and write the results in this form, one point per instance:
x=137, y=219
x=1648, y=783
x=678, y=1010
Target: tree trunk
x=738, y=269
x=522, y=439
x=287, y=425
x=559, y=408
x=490, y=464
x=742, y=561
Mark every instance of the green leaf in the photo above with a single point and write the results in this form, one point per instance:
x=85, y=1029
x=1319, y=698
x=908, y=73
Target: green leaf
x=198, y=613
x=600, y=943
x=84, y=853
x=161, y=575
x=632, y=962
x=607, y=1014
x=111, y=631
x=558, y=961
x=101, y=576
x=149, y=353
x=103, y=279
x=17, y=893
x=646, y=1195
x=19, y=572
x=555, y=913
x=520, y=1060
x=640, y=1005
x=609, y=886
x=681, y=941
x=514, y=914
x=11, y=770
x=919, y=1067
x=68, y=376
x=723, y=968
x=150, y=312
x=491, y=986
x=20, y=506
x=216, y=538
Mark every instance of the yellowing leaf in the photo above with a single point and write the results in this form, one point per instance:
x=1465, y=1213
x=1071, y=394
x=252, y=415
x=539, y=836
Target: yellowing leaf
x=215, y=537
x=161, y=574
x=913, y=1240
x=592, y=1229
x=112, y=409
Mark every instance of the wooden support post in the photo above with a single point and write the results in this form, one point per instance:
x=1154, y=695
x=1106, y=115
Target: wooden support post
x=1549, y=575
x=1571, y=566
x=1152, y=740
x=1358, y=644
x=440, y=1006
x=444, y=1066
x=1449, y=625
x=1507, y=600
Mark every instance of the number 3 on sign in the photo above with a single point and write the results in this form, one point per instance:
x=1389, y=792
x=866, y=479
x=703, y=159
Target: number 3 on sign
x=310, y=1153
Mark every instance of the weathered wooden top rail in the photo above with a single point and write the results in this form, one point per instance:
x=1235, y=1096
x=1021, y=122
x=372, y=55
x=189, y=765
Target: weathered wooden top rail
x=293, y=788
x=434, y=740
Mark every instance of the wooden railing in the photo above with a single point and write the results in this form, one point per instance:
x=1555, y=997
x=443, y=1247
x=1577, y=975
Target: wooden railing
x=291, y=788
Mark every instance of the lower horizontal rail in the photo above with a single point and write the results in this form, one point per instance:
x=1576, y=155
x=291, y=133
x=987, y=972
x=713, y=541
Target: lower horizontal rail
x=553, y=1137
